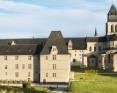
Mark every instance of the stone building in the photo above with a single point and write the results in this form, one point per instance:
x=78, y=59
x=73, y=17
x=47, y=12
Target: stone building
x=49, y=60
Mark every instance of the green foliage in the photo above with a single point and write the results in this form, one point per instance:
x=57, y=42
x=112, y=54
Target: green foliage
x=26, y=85
x=35, y=89
x=40, y=89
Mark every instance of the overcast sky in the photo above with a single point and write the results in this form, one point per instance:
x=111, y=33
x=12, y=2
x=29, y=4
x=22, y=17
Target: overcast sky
x=37, y=18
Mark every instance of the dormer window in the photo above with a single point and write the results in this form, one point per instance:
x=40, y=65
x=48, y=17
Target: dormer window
x=70, y=45
x=13, y=43
x=54, y=50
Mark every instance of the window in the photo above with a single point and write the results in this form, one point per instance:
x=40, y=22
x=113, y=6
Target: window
x=46, y=57
x=54, y=66
x=29, y=57
x=16, y=74
x=90, y=49
x=94, y=48
x=74, y=60
x=116, y=28
x=23, y=66
x=5, y=57
x=112, y=28
x=6, y=67
x=29, y=66
x=28, y=74
x=54, y=49
x=16, y=66
x=16, y=57
x=46, y=74
x=54, y=57
x=54, y=74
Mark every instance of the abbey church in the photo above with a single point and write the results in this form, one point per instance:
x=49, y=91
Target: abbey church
x=50, y=59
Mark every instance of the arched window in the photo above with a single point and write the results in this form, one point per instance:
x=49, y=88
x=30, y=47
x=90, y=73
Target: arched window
x=112, y=28
x=90, y=49
x=74, y=60
x=115, y=28
x=94, y=48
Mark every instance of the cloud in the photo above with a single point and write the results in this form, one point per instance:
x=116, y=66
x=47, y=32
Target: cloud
x=25, y=19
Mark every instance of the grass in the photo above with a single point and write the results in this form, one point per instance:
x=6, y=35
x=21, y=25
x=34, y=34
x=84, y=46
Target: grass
x=93, y=87
x=37, y=89
x=94, y=82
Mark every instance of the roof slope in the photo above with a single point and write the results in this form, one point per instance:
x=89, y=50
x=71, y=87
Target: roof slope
x=112, y=14
x=57, y=40
x=78, y=43
x=28, y=46
x=112, y=10
x=20, y=50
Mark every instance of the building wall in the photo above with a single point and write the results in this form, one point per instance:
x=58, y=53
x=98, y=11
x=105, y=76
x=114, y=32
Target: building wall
x=76, y=56
x=21, y=69
x=60, y=66
x=94, y=45
x=115, y=62
x=109, y=28
x=115, y=44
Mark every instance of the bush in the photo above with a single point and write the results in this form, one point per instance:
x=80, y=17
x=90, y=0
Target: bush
x=26, y=85
x=40, y=89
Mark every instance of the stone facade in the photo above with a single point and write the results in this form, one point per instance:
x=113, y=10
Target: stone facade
x=19, y=68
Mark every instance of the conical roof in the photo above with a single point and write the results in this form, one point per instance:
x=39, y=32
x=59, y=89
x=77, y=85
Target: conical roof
x=112, y=10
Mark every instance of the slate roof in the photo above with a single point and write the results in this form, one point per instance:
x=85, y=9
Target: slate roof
x=20, y=50
x=42, y=45
x=22, y=47
x=112, y=10
x=56, y=39
x=112, y=14
x=111, y=37
x=96, y=39
x=78, y=43
x=26, y=41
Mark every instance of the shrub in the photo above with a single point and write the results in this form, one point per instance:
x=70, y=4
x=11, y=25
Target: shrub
x=40, y=89
x=26, y=85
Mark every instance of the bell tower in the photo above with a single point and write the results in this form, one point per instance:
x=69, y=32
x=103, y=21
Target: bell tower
x=111, y=25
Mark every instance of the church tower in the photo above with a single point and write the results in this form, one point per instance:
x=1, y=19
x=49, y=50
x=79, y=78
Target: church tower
x=111, y=25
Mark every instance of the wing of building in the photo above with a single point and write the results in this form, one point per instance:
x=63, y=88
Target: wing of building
x=50, y=59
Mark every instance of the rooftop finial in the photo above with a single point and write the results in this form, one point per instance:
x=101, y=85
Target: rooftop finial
x=96, y=34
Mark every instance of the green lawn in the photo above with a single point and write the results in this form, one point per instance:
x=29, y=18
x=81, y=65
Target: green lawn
x=94, y=83
x=36, y=89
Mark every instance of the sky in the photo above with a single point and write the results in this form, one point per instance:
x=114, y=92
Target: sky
x=37, y=18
